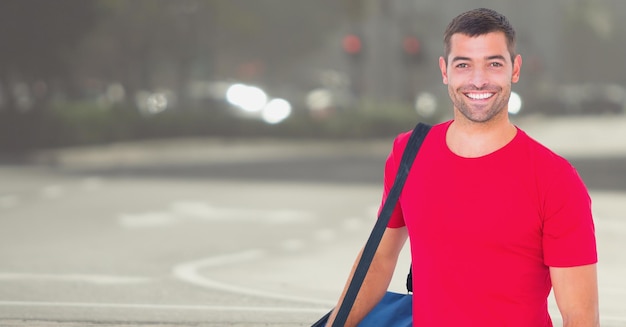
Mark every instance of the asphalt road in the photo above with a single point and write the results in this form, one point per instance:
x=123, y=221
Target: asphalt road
x=213, y=233
x=149, y=251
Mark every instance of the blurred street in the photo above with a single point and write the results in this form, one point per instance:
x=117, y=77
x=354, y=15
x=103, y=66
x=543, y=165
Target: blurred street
x=220, y=163
x=221, y=233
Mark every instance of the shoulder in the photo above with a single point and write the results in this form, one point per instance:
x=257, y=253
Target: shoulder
x=541, y=154
x=402, y=139
x=551, y=169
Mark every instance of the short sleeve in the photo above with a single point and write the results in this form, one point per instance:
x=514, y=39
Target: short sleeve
x=391, y=169
x=568, y=228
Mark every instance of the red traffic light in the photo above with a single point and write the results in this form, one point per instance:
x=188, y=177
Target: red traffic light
x=352, y=44
x=411, y=45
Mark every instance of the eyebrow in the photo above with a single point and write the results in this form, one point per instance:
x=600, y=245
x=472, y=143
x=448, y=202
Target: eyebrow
x=500, y=57
x=494, y=57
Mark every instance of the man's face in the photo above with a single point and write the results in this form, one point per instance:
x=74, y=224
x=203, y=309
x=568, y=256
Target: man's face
x=479, y=73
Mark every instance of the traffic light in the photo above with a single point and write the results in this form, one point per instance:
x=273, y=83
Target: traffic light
x=412, y=48
x=352, y=45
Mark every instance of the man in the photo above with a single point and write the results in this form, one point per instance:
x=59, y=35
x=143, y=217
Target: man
x=495, y=219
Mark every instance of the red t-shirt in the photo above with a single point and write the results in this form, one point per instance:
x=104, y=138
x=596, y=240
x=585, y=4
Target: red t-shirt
x=483, y=231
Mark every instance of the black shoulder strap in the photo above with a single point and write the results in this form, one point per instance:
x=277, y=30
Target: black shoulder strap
x=415, y=142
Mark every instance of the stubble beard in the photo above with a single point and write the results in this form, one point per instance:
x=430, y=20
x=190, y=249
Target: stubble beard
x=480, y=115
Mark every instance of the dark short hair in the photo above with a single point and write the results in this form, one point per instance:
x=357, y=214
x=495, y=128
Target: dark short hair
x=478, y=22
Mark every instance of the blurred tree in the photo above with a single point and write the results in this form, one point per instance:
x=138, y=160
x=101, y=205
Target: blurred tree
x=354, y=9
x=37, y=39
x=128, y=43
x=273, y=35
x=148, y=44
x=592, y=34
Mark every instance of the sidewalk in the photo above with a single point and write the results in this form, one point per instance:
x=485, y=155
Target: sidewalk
x=572, y=137
x=580, y=137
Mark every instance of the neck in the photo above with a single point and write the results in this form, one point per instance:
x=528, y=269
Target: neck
x=471, y=140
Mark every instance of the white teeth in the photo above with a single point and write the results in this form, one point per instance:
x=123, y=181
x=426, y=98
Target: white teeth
x=479, y=96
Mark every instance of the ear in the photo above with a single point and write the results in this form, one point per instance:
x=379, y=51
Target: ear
x=444, y=70
x=517, y=67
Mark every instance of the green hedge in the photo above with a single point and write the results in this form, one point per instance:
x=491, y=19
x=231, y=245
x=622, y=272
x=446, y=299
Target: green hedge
x=81, y=123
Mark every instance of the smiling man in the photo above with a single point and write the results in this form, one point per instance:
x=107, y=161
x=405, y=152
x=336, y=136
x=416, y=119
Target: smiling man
x=495, y=219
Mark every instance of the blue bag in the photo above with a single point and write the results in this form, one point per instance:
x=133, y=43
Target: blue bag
x=394, y=309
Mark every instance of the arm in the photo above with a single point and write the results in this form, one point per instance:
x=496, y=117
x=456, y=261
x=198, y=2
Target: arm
x=378, y=276
x=576, y=293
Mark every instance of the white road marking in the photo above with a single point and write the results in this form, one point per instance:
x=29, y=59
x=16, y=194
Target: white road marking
x=188, y=272
x=94, y=279
x=181, y=211
x=605, y=319
x=204, y=211
x=147, y=219
x=220, y=308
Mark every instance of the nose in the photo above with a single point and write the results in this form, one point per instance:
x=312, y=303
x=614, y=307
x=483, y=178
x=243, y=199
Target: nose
x=478, y=78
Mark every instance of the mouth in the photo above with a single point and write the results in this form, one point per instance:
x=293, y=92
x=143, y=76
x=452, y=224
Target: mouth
x=479, y=96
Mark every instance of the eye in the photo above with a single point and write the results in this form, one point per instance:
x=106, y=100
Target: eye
x=496, y=64
x=462, y=65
